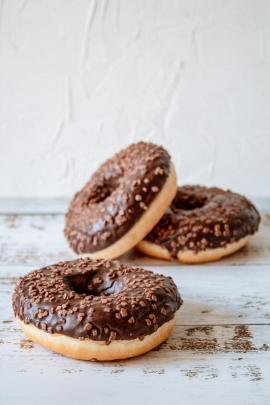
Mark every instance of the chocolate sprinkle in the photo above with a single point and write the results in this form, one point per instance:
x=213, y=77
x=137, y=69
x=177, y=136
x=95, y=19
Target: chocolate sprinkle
x=202, y=218
x=115, y=198
x=67, y=300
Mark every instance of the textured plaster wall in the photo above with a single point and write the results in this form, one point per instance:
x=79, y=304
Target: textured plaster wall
x=80, y=79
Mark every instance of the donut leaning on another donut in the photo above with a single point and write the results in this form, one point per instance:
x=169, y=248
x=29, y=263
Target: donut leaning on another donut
x=96, y=309
x=123, y=200
x=202, y=225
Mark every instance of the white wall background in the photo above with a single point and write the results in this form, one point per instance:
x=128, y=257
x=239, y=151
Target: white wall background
x=80, y=79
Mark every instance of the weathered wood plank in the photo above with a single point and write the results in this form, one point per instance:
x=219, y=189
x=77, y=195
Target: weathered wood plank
x=215, y=358
x=202, y=341
x=230, y=380
x=196, y=338
x=212, y=295
x=38, y=239
x=33, y=206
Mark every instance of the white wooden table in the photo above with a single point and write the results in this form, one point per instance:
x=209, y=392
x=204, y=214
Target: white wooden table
x=219, y=352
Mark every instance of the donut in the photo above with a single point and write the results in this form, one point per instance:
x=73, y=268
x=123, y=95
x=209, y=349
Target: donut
x=123, y=200
x=202, y=225
x=96, y=309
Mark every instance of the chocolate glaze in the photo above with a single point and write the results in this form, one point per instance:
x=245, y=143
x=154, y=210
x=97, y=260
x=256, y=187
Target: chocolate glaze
x=101, y=300
x=202, y=218
x=116, y=196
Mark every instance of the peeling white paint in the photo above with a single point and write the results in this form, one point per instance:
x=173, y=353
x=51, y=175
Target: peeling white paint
x=79, y=80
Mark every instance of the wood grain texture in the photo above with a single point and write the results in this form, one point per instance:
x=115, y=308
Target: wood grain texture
x=219, y=351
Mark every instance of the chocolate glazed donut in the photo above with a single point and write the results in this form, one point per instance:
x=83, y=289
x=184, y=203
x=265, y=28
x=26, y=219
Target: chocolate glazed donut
x=202, y=224
x=96, y=310
x=121, y=202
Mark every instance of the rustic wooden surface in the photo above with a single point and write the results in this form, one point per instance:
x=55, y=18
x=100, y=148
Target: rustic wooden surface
x=219, y=352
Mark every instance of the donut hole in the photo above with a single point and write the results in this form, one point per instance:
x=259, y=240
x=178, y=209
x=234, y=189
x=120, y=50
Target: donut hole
x=94, y=283
x=188, y=203
x=103, y=190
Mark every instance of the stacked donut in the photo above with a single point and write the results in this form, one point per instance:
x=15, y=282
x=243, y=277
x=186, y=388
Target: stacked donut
x=133, y=199
x=94, y=308
x=122, y=202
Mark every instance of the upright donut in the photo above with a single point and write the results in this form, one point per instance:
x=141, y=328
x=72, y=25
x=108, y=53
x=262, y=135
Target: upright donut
x=202, y=225
x=123, y=200
x=96, y=310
